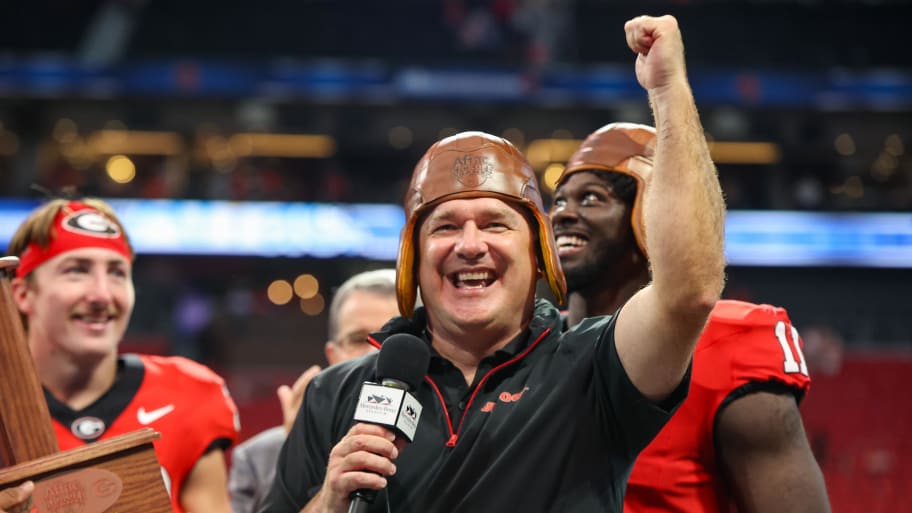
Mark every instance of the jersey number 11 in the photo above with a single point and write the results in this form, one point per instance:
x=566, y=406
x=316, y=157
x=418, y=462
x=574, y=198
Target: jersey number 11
x=791, y=364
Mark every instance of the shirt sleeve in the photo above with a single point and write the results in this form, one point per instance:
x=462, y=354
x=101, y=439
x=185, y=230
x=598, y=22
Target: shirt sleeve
x=631, y=418
x=215, y=423
x=221, y=428
x=758, y=346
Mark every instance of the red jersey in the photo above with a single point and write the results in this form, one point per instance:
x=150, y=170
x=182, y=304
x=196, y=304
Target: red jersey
x=184, y=401
x=744, y=348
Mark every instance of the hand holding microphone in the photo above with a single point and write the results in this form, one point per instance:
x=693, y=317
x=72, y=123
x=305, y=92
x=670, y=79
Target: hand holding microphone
x=360, y=461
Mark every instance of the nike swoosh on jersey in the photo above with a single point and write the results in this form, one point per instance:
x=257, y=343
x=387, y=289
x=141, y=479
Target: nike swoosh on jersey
x=147, y=417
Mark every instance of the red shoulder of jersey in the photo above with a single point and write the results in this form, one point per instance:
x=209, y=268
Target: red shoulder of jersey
x=183, y=367
x=744, y=347
x=200, y=388
x=749, y=343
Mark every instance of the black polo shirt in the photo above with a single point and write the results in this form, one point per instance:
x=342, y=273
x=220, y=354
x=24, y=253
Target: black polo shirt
x=551, y=424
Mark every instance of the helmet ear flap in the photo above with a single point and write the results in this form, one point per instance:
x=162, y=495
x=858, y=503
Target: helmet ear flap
x=546, y=252
x=406, y=281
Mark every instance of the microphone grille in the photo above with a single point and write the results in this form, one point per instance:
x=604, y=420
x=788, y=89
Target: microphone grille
x=404, y=358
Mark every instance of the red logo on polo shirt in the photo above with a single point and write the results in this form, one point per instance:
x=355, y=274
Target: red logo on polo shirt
x=504, y=397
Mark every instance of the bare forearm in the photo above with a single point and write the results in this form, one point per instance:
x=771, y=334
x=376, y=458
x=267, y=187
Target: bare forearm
x=684, y=212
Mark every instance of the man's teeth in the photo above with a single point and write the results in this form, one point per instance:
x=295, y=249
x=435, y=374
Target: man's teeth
x=572, y=241
x=472, y=280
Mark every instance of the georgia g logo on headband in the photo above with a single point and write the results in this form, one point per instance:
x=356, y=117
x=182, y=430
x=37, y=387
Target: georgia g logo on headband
x=92, y=223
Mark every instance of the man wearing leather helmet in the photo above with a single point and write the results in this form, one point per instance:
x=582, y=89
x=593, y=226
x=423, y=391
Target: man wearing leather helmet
x=519, y=415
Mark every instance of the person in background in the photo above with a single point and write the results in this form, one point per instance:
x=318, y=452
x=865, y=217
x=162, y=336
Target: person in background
x=360, y=306
x=518, y=414
x=737, y=442
x=74, y=289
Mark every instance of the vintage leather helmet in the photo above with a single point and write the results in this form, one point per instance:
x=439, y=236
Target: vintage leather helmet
x=473, y=165
x=626, y=148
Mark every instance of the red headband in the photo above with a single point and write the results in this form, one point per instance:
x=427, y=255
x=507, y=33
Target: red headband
x=76, y=226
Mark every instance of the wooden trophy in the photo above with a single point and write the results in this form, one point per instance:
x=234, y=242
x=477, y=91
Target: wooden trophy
x=119, y=475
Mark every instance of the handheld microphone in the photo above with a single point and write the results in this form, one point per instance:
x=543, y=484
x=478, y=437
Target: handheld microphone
x=401, y=365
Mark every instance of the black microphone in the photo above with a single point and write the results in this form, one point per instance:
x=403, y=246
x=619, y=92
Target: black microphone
x=401, y=366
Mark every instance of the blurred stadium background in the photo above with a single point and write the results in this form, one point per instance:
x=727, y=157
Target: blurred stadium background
x=259, y=150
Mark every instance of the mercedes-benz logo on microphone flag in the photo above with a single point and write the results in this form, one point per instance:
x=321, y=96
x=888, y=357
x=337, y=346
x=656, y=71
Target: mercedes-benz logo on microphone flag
x=390, y=407
x=379, y=399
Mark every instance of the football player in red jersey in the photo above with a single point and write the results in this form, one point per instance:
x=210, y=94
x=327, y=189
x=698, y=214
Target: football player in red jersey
x=74, y=288
x=737, y=442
